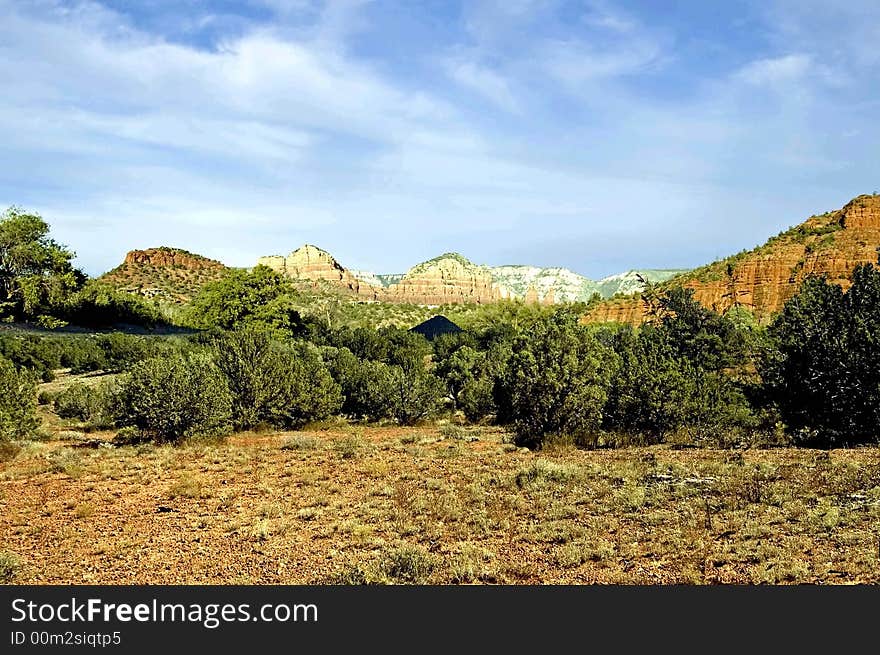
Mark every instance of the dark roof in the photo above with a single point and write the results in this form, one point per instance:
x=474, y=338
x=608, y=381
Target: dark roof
x=435, y=326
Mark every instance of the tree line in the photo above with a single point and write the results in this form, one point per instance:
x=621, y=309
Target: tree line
x=689, y=375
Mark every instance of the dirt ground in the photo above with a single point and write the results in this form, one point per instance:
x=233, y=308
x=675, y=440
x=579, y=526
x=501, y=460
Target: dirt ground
x=353, y=504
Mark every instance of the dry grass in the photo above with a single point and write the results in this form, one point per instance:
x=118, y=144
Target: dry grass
x=377, y=505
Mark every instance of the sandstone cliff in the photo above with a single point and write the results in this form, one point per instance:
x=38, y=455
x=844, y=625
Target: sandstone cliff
x=449, y=278
x=170, y=274
x=318, y=267
x=763, y=279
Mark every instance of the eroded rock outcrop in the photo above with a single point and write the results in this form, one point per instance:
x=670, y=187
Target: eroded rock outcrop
x=169, y=274
x=317, y=266
x=763, y=279
x=449, y=278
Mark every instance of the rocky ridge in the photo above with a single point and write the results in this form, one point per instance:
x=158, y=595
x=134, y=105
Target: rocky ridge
x=170, y=274
x=763, y=279
x=318, y=266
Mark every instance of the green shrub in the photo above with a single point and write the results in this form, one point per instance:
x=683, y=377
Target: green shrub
x=558, y=381
x=408, y=565
x=367, y=386
x=10, y=565
x=18, y=402
x=98, y=305
x=822, y=370
x=170, y=398
x=83, y=355
x=96, y=405
x=40, y=355
x=416, y=394
x=282, y=384
x=121, y=350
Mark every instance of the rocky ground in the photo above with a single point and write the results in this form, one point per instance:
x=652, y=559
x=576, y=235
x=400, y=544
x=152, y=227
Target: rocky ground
x=433, y=504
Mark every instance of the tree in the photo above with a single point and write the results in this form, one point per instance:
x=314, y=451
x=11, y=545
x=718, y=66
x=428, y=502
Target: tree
x=367, y=386
x=821, y=370
x=416, y=394
x=98, y=305
x=558, y=381
x=35, y=271
x=658, y=390
x=261, y=297
x=18, y=402
x=177, y=396
x=285, y=385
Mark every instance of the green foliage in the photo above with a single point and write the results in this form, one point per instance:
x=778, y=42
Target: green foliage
x=96, y=405
x=40, y=355
x=558, y=381
x=282, y=384
x=659, y=390
x=35, y=271
x=18, y=402
x=468, y=374
x=99, y=305
x=681, y=372
x=367, y=386
x=822, y=370
x=416, y=394
x=260, y=298
x=177, y=396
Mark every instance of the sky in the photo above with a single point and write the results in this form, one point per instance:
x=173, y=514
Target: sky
x=598, y=135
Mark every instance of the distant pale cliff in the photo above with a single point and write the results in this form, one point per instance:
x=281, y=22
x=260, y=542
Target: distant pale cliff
x=451, y=278
x=316, y=265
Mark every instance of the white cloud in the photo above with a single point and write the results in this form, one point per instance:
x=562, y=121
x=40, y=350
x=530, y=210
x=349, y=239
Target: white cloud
x=484, y=81
x=776, y=70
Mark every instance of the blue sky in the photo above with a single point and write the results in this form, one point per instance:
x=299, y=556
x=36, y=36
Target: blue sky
x=596, y=135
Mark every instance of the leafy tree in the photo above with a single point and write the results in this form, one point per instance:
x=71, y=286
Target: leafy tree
x=18, y=402
x=173, y=397
x=261, y=297
x=476, y=397
x=282, y=384
x=705, y=338
x=35, y=271
x=416, y=394
x=38, y=354
x=406, y=349
x=99, y=305
x=822, y=369
x=558, y=381
x=363, y=343
x=367, y=386
x=96, y=405
x=658, y=390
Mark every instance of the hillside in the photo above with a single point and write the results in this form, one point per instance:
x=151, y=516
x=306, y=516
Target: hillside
x=764, y=278
x=168, y=274
x=449, y=278
x=319, y=268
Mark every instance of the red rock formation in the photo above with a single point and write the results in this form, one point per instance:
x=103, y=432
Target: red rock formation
x=764, y=279
x=161, y=257
x=318, y=266
x=170, y=274
x=447, y=279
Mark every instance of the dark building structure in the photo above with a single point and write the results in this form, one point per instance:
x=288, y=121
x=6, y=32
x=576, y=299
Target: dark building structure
x=435, y=326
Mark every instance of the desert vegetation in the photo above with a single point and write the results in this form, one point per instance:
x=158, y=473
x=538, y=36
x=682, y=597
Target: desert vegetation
x=528, y=447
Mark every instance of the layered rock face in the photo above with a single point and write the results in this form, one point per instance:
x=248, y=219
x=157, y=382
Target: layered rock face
x=171, y=274
x=318, y=266
x=449, y=278
x=172, y=258
x=762, y=280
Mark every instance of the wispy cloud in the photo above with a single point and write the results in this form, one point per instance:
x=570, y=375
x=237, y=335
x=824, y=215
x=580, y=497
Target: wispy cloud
x=776, y=70
x=386, y=134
